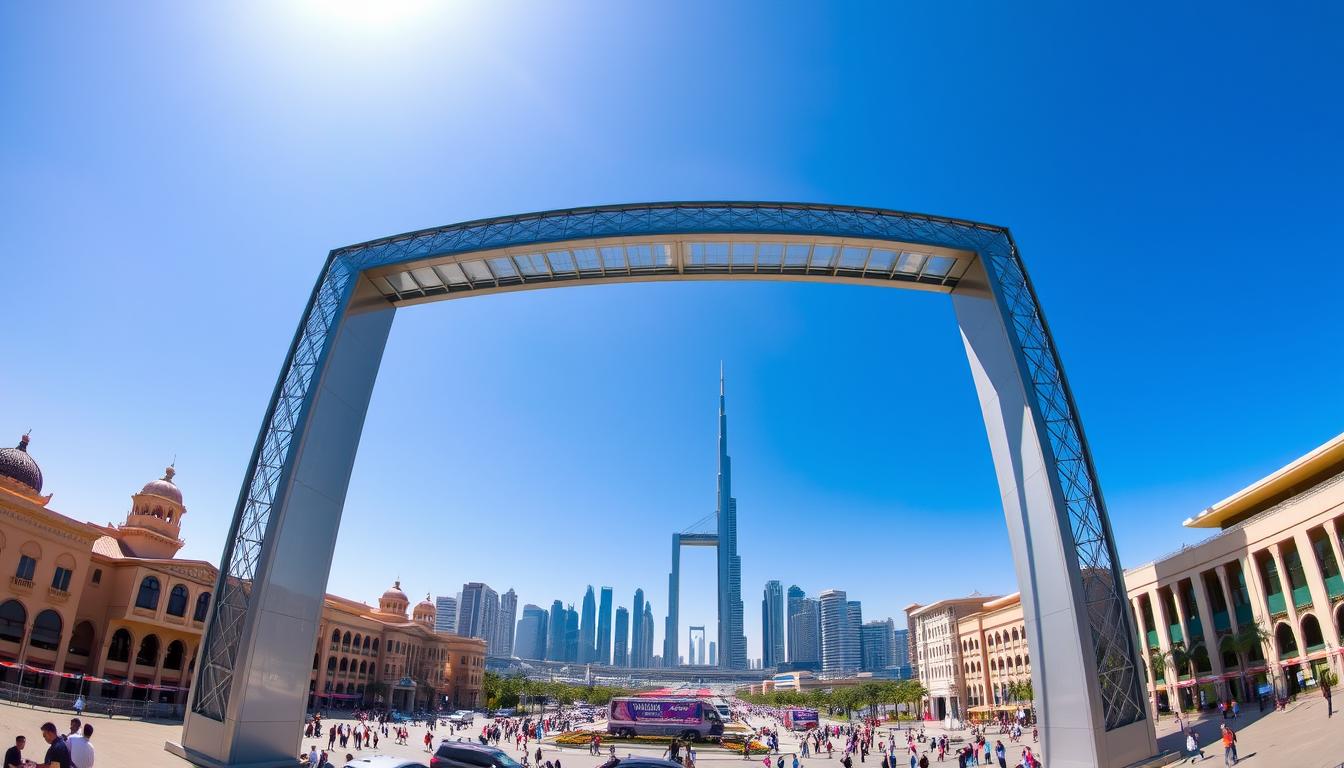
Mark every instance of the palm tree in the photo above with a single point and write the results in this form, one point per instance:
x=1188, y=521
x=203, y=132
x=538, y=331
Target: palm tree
x=1246, y=639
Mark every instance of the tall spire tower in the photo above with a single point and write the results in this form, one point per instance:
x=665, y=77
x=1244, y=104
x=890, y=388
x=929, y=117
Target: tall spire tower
x=732, y=640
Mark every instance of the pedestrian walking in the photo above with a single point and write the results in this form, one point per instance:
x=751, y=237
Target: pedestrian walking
x=1229, y=746
x=1192, y=746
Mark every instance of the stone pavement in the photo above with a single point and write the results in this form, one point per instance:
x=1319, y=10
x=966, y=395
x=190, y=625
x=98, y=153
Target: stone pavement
x=1301, y=737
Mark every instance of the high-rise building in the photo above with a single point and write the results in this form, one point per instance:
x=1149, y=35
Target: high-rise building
x=854, y=614
x=772, y=624
x=713, y=654
x=732, y=635
x=604, y=627
x=804, y=628
x=571, y=633
x=555, y=633
x=839, y=652
x=588, y=628
x=445, y=614
x=900, y=648
x=647, y=637
x=637, y=631
x=875, y=645
x=620, y=649
x=508, y=614
x=478, y=613
x=530, y=642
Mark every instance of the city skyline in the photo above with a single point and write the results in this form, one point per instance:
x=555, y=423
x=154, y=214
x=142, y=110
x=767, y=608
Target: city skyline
x=618, y=447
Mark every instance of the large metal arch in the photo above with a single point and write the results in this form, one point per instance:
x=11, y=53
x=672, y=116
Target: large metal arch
x=246, y=706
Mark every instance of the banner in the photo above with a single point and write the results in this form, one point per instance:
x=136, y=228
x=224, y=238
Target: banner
x=659, y=711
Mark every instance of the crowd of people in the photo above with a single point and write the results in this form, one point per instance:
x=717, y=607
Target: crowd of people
x=68, y=750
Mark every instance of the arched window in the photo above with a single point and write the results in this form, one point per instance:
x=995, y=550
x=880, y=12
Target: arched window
x=13, y=617
x=335, y=636
x=173, y=659
x=315, y=659
x=355, y=642
x=363, y=668
x=202, y=607
x=120, y=647
x=345, y=665
x=1287, y=644
x=81, y=640
x=345, y=640
x=148, y=655
x=46, y=631
x=331, y=665
x=1311, y=633
x=177, y=601
x=366, y=642
x=375, y=645
x=1014, y=634
x=149, y=594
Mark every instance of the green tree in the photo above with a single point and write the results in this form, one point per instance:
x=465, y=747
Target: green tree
x=1246, y=640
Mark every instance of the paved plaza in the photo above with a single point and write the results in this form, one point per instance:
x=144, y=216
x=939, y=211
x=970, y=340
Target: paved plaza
x=1301, y=737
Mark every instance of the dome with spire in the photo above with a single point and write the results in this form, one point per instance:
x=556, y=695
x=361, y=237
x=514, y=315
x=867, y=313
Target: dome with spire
x=394, y=601
x=425, y=611
x=164, y=487
x=17, y=465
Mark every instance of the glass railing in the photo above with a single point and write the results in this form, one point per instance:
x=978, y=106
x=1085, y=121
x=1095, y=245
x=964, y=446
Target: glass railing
x=1301, y=597
x=1277, y=604
x=1334, y=585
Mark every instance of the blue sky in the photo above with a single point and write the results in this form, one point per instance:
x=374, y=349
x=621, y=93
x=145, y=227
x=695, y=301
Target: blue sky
x=171, y=177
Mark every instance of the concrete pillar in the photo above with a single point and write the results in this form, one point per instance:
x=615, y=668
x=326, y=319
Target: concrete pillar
x=1163, y=642
x=1286, y=585
x=1332, y=533
x=1203, y=608
x=1256, y=587
x=1320, y=599
x=1225, y=583
x=62, y=648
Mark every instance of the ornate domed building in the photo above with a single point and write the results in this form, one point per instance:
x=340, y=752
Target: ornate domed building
x=110, y=611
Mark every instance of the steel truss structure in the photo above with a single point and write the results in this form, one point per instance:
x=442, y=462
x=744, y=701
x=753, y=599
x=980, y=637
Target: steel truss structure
x=671, y=241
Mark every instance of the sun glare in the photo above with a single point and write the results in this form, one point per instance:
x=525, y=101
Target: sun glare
x=370, y=15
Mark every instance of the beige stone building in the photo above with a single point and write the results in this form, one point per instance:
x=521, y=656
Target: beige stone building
x=994, y=656
x=1275, y=564
x=935, y=652
x=110, y=611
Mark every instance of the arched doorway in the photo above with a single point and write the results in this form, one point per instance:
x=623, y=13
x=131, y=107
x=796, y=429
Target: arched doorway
x=1057, y=520
x=1286, y=646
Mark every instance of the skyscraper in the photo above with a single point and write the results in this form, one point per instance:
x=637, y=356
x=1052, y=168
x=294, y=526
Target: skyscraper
x=713, y=654
x=647, y=636
x=772, y=624
x=555, y=639
x=637, y=631
x=571, y=633
x=604, y=627
x=508, y=614
x=875, y=645
x=839, y=652
x=478, y=613
x=732, y=636
x=620, y=649
x=804, y=628
x=445, y=614
x=900, y=648
x=588, y=628
x=854, y=613
x=530, y=642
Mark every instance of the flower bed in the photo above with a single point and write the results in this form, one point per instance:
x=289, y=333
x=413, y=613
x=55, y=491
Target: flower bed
x=584, y=738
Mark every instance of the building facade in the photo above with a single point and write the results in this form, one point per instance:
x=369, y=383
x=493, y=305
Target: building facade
x=604, y=626
x=508, y=616
x=110, y=611
x=875, y=645
x=839, y=638
x=934, y=633
x=995, y=659
x=530, y=641
x=620, y=649
x=1258, y=608
x=804, y=629
x=445, y=614
x=588, y=628
x=772, y=624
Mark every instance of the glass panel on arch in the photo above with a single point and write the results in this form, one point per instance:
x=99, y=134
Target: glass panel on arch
x=744, y=254
x=403, y=283
x=939, y=266
x=911, y=263
x=426, y=277
x=639, y=256
x=823, y=256
x=613, y=257
x=384, y=286
x=531, y=264
x=795, y=254
x=853, y=257
x=770, y=254
x=477, y=271
x=716, y=253
x=452, y=273
x=881, y=260
x=561, y=261
x=587, y=259
x=503, y=267
x=662, y=254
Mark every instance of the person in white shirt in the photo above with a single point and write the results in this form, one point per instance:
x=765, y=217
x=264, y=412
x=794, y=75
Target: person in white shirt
x=312, y=756
x=81, y=751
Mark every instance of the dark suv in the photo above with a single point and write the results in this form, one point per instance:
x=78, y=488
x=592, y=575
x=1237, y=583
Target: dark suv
x=464, y=754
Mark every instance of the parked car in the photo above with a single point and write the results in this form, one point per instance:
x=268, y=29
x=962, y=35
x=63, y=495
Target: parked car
x=466, y=754
x=383, y=761
x=635, y=761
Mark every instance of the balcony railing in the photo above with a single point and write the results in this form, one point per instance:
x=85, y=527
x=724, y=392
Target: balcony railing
x=1334, y=586
x=20, y=582
x=1277, y=604
x=58, y=595
x=1301, y=597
